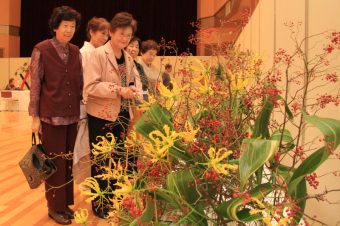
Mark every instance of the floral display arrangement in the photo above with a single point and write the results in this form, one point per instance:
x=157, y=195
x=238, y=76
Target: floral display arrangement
x=225, y=145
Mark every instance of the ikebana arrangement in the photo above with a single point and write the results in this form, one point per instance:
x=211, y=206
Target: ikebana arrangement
x=211, y=151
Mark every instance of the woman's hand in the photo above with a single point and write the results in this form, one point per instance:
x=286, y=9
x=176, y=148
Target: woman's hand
x=127, y=92
x=36, y=125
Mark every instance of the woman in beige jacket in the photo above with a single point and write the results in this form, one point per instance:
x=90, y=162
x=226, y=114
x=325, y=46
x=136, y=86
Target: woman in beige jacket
x=112, y=83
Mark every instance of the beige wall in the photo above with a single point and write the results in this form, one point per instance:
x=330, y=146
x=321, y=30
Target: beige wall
x=10, y=65
x=10, y=13
x=266, y=30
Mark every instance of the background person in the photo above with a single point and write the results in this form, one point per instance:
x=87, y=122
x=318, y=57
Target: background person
x=56, y=88
x=98, y=33
x=166, y=79
x=110, y=80
x=149, y=52
x=133, y=49
x=10, y=85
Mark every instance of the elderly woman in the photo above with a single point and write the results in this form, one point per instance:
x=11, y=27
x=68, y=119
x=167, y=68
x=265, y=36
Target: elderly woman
x=97, y=33
x=133, y=49
x=111, y=82
x=56, y=87
x=149, y=52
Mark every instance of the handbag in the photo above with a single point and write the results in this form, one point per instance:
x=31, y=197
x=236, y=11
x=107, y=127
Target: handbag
x=35, y=165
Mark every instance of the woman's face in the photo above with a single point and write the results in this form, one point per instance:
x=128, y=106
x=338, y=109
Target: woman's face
x=149, y=56
x=121, y=37
x=98, y=38
x=65, y=31
x=133, y=49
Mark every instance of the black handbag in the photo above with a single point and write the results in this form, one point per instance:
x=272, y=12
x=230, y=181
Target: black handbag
x=35, y=165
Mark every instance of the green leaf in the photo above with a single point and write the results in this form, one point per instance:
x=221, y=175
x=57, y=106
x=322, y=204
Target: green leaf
x=255, y=152
x=147, y=214
x=299, y=192
x=288, y=111
x=262, y=120
x=180, y=183
x=330, y=128
x=287, y=137
x=154, y=119
x=229, y=210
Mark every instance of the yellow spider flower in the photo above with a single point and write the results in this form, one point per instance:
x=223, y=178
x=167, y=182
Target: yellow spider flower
x=203, y=89
x=132, y=140
x=204, y=70
x=152, y=153
x=145, y=105
x=190, y=133
x=105, y=145
x=92, y=183
x=115, y=173
x=266, y=220
x=163, y=142
x=80, y=216
x=216, y=158
x=240, y=82
x=126, y=187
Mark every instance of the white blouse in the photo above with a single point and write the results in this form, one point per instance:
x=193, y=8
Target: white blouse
x=85, y=53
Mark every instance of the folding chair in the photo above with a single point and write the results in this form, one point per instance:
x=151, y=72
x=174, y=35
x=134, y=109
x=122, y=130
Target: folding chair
x=6, y=95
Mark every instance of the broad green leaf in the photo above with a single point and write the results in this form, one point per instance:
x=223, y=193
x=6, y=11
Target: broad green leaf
x=287, y=137
x=255, y=152
x=154, y=119
x=182, y=183
x=288, y=111
x=163, y=196
x=229, y=209
x=299, y=192
x=330, y=128
x=262, y=120
x=147, y=214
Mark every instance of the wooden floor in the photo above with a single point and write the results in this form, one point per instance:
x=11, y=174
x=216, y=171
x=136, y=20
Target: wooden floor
x=19, y=205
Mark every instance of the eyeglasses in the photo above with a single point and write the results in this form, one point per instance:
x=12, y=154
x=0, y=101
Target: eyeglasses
x=121, y=35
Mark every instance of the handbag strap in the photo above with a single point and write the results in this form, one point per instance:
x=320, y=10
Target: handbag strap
x=33, y=139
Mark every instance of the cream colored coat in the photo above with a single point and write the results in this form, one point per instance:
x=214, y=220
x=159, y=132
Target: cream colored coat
x=101, y=82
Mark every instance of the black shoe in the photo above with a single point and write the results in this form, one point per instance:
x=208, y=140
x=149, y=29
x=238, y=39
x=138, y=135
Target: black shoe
x=101, y=214
x=59, y=217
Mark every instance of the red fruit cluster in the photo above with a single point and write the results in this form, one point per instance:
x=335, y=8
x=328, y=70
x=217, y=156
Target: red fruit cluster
x=311, y=179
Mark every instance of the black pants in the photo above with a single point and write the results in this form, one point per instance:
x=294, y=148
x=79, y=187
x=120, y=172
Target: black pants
x=100, y=127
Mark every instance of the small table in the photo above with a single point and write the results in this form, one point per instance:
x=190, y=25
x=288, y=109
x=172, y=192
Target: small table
x=23, y=97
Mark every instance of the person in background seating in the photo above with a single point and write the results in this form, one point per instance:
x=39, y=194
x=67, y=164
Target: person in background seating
x=11, y=86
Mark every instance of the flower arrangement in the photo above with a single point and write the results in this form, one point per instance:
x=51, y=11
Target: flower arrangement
x=212, y=152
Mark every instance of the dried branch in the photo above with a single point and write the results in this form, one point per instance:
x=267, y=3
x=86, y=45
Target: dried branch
x=316, y=196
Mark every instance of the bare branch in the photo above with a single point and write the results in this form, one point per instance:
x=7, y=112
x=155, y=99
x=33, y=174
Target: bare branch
x=316, y=196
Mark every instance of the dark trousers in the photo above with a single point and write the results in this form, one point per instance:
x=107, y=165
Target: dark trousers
x=100, y=127
x=59, y=187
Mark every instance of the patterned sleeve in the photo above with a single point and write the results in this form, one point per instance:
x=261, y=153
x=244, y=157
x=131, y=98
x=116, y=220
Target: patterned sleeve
x=37, y=75
x=81, y=76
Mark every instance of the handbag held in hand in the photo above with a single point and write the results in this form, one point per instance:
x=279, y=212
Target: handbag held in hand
x=35, y=165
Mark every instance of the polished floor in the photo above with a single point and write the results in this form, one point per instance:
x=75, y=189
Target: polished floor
x=19, y=205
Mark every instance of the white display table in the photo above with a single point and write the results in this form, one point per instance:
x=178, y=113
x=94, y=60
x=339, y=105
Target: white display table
x=23, y=97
